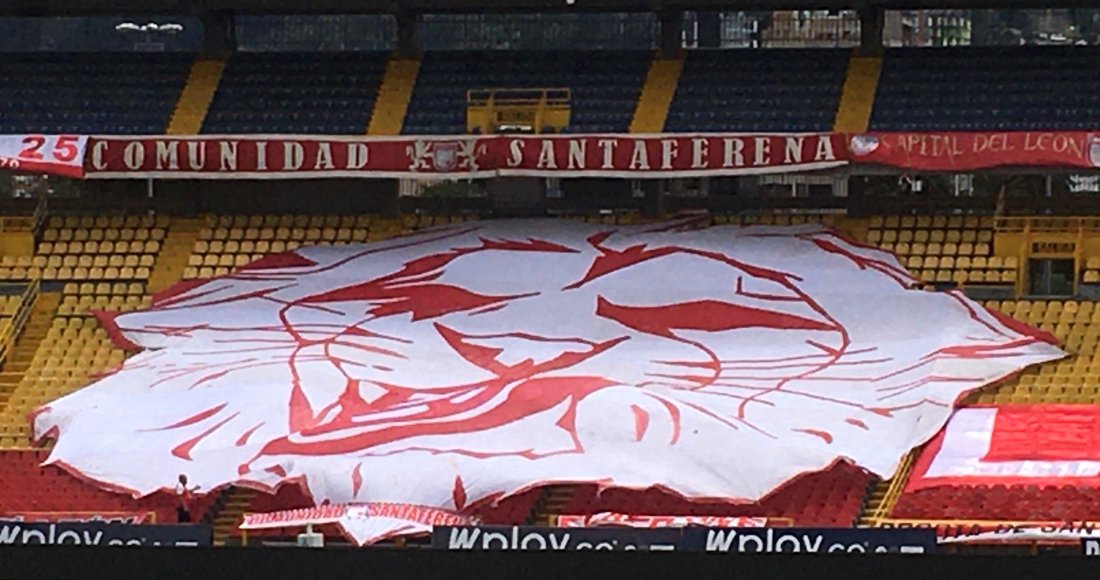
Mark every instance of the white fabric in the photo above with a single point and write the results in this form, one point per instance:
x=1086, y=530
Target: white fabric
x=717, y=363
x=966, y=441
x=365, y=523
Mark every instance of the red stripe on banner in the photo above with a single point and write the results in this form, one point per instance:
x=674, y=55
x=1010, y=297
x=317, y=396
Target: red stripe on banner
x=919, y=479
x=290, y=156
x=597, y=155
x=949, y=151
x=1046, y=433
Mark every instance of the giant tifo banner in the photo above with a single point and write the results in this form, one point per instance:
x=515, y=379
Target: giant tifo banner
x=952, y=151
x=631, y=156
x=1054, y=445
x=463, y=364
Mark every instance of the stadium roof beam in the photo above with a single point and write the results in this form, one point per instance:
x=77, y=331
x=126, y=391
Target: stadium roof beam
x=199, y=7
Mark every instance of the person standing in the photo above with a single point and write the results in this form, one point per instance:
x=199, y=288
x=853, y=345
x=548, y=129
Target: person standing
x=183, y=493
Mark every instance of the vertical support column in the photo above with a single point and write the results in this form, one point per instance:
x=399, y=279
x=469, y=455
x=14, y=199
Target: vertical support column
x=219, y=35
x=670, y=41
x=408, y=35
x=871, y=22
x=653, y=206
x=710, y=29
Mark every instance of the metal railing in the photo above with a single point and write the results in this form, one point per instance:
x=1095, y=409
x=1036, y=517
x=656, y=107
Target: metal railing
x=12, y=331
x=518, y=97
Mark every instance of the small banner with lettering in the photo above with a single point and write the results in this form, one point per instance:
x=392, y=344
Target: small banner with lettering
x=284, y=157
x=994, y=532
x=969, y=151
x=361, y=523
x=49, y=154
x=641, y=521
x=104, y=534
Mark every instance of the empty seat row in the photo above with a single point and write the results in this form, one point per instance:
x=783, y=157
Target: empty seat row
x=86, y=93
x=604, y=85
x=1032, y=87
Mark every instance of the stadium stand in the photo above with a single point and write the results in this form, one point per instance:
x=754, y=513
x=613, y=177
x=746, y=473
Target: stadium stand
x=103, y=93
x=231, y=241
x=1031, y=503
x=605, y=86
x=51, y=345
x=944, y=249
x=71, y=348
x=833, y=498
x=752, y=90
x=1018, y=88
x=92, y=249
x=320, y=93
x=28, y=488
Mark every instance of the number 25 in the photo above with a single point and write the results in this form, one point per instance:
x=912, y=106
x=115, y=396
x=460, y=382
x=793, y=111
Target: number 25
x=63, y=150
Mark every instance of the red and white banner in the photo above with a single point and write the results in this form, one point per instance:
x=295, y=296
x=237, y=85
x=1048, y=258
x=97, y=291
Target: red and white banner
x=627, y=156
x=970, y=151
x=424, y=369
x=634, y=521
x=1033, y=534
x=1014, y=445
x=329, y=514
x=363, y=523
x=996, y=531
x=466, y=156
x=50, y=154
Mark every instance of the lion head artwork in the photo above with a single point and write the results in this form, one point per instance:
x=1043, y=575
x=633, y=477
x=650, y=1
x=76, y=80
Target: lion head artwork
x=466, y=363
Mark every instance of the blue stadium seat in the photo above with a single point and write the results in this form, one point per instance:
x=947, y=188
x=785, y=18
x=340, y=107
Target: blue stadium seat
x=988, y=89
x=605, y=85
x=758, y=90
x=120, y=93
x=327, y=93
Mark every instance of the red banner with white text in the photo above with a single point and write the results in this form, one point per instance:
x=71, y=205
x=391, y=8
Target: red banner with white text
x=971, y=151
x=624, y=156
x=607, y=156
